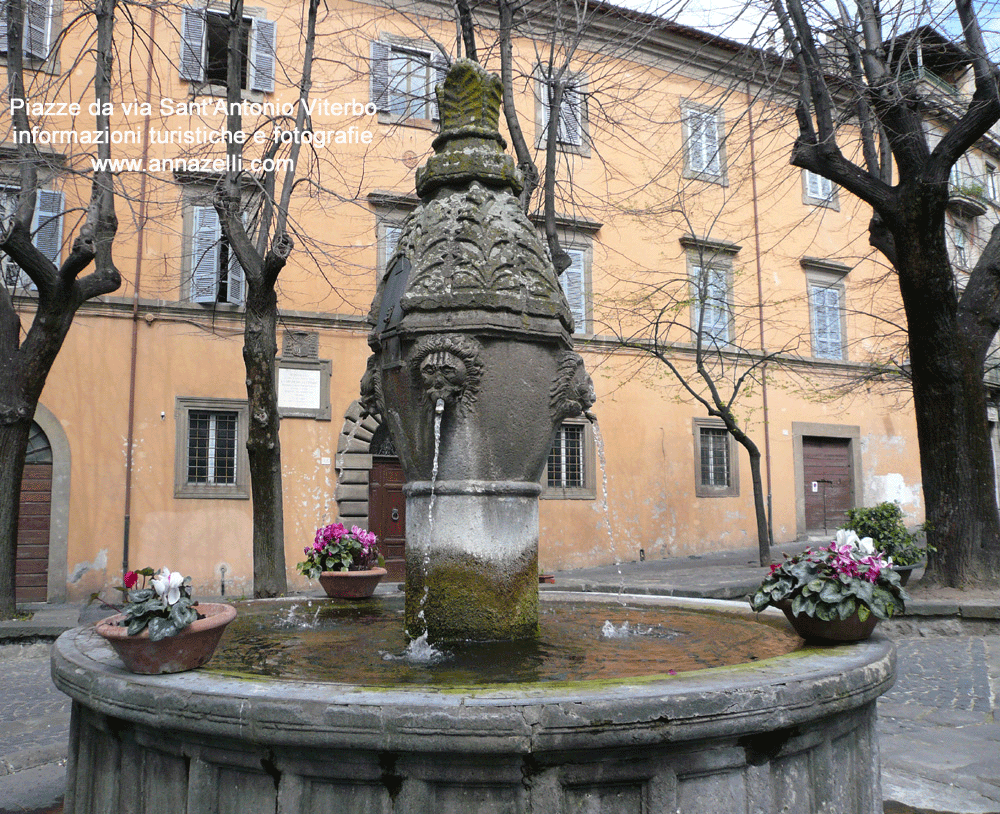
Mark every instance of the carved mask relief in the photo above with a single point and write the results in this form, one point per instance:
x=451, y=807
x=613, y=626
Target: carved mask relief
x=447, y=367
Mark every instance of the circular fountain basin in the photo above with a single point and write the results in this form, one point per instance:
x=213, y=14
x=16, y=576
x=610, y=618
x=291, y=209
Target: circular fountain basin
x=790, y=733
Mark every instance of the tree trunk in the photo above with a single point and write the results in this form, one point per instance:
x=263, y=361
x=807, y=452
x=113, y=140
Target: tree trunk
x=263, y=443
x=949, y=397
x=13, y=446
x=759, y=508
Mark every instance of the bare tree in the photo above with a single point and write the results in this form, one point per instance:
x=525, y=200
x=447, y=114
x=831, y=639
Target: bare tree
x=25, y=361
x=869, y=69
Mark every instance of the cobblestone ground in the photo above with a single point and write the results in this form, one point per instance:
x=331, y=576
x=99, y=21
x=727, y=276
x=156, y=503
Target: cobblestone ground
x=34, y=715
x=939, y=727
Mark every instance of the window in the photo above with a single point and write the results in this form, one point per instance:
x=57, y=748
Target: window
x=37, y=24
x=569, y=470
x=826, y=314
x=574, y=285
x=211, y=457
x=960, y=235
x=204, y=49
x=710, y=303
x=992, y=184
x=216, y=275
x=716, y=472
x=46, y=228
x=572, y=114
x=704, y=156
x=817, y=190
x=403, y=80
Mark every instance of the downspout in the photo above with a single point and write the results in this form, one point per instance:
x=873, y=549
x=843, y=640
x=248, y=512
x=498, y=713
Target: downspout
x=140, y=245
x=760, y=317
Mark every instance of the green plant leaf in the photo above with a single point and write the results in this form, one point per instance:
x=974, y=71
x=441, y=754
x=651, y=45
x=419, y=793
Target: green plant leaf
x=863, y=613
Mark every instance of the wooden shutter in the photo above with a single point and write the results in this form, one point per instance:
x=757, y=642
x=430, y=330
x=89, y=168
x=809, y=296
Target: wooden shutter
x=205, y=254
x=380, y=75
x=3, y=26
x=262, y=56
x=572, y=281
x=703, y=142
x=817, y=186
x=38, y=13
x=439, y=71
x=192, y=44
x=570, y=118
x=711, y=296
x=47, y=227
x=236, y=289
x=827, y=339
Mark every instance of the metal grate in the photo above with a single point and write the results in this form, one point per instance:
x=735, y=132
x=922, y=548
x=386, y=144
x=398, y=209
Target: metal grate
x=714, y=457
x=565, y=464
x=212, y=447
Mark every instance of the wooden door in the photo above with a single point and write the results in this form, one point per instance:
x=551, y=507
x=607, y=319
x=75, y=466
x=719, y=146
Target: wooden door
x=387, y=513
x=32, y=573
x=829, y=482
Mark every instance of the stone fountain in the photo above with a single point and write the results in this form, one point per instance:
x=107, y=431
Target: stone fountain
x=473, y=369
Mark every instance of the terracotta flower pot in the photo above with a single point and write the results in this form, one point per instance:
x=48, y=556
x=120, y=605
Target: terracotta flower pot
x=351, y=584
x=810, y=628
x=190, y=648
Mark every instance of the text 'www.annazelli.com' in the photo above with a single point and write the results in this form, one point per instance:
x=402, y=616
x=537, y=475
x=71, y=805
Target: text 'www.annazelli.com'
x=192, y=164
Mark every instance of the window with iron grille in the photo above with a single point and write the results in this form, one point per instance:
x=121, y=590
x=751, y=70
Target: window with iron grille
x=714, y=457
x=211, y=448
x=565, y=465
x=715, y=460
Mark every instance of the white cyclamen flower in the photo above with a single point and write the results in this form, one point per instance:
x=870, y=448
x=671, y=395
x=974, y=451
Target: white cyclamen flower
x=167, y=585
x=867, y=546
x=849, y=538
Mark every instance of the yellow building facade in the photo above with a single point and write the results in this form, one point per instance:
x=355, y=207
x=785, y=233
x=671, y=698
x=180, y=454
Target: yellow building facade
x=676, y=204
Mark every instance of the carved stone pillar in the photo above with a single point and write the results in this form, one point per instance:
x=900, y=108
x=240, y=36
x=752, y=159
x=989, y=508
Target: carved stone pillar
x=473, y=370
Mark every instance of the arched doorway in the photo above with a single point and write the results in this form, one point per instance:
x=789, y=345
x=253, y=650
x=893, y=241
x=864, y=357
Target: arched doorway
x=370, y=485
x=33, y=529
x=387, y=503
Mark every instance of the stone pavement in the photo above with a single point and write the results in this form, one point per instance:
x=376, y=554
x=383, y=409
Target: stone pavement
x=939, y=727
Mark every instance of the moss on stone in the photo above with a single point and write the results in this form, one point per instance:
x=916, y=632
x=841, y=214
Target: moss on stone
x=470, y=599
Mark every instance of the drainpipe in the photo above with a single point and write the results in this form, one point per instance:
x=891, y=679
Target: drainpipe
x=760, y=316
x=140, y=244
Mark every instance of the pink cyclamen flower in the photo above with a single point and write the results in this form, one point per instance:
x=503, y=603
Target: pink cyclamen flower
x=130, y=579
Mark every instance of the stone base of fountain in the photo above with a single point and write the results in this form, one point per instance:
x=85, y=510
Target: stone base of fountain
x=472, y=559
x=794, y=733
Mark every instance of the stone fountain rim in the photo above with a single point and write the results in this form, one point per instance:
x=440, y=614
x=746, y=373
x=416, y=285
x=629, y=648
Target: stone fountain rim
x=772, y=694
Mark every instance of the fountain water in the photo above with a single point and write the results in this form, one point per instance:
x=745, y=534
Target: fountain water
x=473, y=370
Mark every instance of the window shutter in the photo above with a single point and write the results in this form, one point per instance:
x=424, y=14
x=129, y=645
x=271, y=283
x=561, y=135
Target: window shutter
x=573, y=287
x=236, y=290
x=439, y=70
x=36, y=28
x=710, y=134
x=192, y=44
x=380, y=75
x=47, y=227
x=696, y=148
x=205, y=254
x=262, y=56
x=3, y=26
x=711, y=295
x=391, y=240
x=570, y=118
x=827, y=340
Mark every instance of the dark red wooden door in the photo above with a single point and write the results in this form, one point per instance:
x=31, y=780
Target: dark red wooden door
x=33, y=534
x=387, y=513
x=829, y=482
